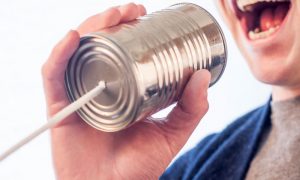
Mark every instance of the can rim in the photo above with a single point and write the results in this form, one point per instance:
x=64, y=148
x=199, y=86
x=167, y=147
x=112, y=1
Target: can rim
x=134, y=99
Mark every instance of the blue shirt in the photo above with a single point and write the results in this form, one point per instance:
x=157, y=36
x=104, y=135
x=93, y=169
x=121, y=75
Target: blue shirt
x=226, y=155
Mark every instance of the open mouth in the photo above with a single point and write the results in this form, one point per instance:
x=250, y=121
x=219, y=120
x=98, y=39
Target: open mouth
x=262, y=18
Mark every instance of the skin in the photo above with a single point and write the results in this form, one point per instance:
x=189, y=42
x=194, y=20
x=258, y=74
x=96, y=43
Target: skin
x=81, y=152
x=275, y=62
x=141, y=152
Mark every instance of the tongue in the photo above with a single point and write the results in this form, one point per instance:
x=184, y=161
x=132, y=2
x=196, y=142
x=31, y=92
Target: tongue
x=266, y=19
x=272, y=17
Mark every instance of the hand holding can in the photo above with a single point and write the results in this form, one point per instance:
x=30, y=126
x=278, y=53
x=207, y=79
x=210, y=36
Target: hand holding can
x=145, y=63
x=144, y=150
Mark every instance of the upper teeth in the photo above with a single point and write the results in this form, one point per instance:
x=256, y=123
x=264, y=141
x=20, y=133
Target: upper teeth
x=242, y=4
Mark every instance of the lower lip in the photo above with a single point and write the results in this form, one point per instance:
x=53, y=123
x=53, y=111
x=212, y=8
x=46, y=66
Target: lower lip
x=273, y=37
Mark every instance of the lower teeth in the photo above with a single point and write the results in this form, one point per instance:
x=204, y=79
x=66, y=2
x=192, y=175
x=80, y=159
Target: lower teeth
x=256, y=34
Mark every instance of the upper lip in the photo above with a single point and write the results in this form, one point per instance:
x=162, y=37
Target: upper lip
x=243, y=4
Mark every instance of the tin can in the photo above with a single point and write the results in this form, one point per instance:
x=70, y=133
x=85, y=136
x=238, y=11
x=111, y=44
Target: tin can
x=145, y=63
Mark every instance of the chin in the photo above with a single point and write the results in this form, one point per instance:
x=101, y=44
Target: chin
x=274, y=66
x=267, y=33
x=272, y=76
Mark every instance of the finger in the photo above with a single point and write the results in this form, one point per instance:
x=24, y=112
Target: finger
x=192, y=106
x=142, y=10
x=129, y=12
x=194, y=97
x=54, y=69
x=99, y=21
x=111, y=17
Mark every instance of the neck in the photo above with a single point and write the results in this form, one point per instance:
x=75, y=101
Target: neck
x=280, y=93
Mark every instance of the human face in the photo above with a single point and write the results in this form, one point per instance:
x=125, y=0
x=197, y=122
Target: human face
x=268, y=35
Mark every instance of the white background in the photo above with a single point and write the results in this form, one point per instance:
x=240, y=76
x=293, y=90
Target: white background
x=29, y=29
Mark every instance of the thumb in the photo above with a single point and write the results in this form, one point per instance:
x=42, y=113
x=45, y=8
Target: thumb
x=192, y=106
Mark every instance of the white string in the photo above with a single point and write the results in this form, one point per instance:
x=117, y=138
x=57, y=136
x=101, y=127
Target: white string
x=58, y=117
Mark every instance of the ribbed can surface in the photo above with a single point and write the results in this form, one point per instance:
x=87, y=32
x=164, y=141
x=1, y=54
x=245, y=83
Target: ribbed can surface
x=145, y=64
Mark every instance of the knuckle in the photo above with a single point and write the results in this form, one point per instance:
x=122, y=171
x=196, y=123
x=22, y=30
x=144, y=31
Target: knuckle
x=46, y=66
x=56, y=49
x=142, y=9
x=132, y=5
x=203, y=95
x=201, y=110
x=129, y=11
x=205, y=106
x=184, y=111
x=114, y=11
x=107, y=16
x=45, y=70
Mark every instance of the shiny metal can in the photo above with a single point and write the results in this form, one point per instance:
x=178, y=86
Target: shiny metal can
x=145, y=64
